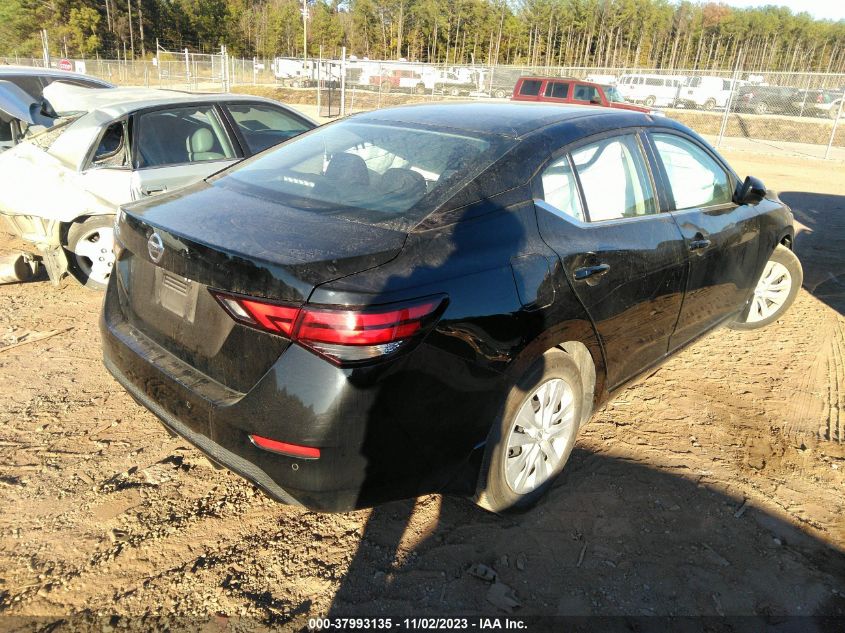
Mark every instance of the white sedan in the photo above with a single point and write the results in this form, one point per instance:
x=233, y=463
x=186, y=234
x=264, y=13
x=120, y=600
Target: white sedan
x=61, y=187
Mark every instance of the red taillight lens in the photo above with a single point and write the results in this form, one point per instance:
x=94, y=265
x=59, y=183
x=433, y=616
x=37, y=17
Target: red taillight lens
x=340, y=334
x=284, y=448
x=266, y=316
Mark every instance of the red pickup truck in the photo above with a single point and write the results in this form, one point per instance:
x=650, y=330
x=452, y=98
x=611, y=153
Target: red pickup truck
x=572, y=91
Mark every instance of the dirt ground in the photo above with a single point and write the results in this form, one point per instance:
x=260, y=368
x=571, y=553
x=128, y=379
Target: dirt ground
x=715, y=486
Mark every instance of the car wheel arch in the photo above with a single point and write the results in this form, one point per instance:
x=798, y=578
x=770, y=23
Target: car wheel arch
x=578, y=339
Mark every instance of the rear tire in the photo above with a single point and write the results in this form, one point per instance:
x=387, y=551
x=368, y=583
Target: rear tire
x=776, y=289
x=90, y=247
x=710, y=104
x=533, y=438
x=761, y=108
x=499, y=94
x=649, y=101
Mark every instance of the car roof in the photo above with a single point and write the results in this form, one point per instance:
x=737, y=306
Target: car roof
x=549, y=78
x=117, y=102
x=513, y=119
x=33, y=71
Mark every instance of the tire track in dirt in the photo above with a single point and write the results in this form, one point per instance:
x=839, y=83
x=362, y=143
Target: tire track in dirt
x=836, y=380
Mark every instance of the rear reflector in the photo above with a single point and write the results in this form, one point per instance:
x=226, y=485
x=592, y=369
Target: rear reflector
x=340, y=334
x=283, y=448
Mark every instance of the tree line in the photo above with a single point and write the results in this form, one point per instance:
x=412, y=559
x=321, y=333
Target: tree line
x=614, y=33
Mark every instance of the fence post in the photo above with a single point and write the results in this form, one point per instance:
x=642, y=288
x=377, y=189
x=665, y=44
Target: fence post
x=835, y=123
x=319, y=78
x=734, y=80
x=343, y=82
x=187, y=70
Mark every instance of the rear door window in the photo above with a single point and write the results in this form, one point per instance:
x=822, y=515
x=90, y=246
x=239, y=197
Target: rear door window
x=560, y=189
x=614, y=179
x=181, y=135
x=557, y=89
x=263, y=126
x=530, y=87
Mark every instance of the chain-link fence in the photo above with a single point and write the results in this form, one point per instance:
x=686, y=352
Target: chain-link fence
x=796, y=112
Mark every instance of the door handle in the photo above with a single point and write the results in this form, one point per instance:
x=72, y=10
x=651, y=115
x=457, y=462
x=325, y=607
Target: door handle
x=697, y=245
x=590, y=271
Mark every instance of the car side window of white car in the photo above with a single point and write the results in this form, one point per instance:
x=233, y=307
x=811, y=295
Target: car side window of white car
x=111, y=150
x=179, y=136
x=615, y=179
x=696, y=179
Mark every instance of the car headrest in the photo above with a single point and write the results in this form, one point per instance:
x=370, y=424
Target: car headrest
x=201, y=141
x=408, y=182
x=348, y=169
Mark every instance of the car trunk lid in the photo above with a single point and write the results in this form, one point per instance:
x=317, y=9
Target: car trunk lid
x=178, y=246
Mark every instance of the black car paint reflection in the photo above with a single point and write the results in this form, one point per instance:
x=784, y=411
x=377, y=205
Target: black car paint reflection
x=510, y=265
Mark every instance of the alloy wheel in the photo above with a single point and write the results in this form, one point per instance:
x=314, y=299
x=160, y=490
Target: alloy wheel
x=94, y=255
x=539, y=438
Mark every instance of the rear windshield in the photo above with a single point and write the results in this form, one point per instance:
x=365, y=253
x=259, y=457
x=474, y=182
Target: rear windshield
x=376, y=173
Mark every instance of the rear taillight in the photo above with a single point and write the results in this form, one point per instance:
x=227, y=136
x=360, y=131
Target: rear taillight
x=819, y=98
x=342, y=335
x=285, y=448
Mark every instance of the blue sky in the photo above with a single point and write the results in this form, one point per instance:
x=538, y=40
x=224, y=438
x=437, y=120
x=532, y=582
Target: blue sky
x=822, y=9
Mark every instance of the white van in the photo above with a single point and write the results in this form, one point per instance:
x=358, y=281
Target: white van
x=651, y=90
x=707, y=92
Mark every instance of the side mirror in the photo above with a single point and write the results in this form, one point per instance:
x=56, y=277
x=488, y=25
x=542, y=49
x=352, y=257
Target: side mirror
x=751, y=191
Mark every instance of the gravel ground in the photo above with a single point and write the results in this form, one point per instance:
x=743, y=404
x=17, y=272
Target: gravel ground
x=715, y=486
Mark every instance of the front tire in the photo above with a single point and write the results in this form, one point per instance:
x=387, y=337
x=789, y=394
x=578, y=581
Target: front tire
x=90, y=251
x=775, y=291
x=531, y=441
x=650, y=101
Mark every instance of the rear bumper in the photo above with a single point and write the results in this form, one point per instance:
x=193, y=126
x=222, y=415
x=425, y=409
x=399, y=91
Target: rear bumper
x=216, y=452
x=393, y=431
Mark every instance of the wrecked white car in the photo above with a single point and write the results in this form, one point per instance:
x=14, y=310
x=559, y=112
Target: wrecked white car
x=32, y=81
x=60, y=188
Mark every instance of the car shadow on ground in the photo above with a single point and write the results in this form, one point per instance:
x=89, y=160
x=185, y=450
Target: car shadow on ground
x=821, y=246
x=613, y=538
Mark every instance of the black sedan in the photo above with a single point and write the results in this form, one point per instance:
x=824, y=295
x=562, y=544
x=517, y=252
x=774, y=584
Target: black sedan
x=434, y=297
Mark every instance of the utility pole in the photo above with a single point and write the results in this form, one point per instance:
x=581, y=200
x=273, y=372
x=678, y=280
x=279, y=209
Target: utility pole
x=131, y=37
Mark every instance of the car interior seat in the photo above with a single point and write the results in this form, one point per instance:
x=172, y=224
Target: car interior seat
x=200, y=144
x=401, y=188
x=347, y=169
